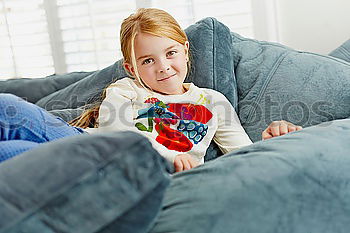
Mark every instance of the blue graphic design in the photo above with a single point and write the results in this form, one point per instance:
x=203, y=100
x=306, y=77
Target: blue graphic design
x=193, y=130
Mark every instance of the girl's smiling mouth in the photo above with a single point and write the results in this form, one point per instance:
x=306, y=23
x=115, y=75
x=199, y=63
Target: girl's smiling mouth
x=166, y=78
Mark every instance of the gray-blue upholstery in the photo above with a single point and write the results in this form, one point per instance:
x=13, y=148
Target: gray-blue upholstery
x=276, y=82
x=294, y=183
x=89, y=183
x=342, y=52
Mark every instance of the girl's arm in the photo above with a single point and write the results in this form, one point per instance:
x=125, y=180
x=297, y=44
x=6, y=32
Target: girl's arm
x=230, y=134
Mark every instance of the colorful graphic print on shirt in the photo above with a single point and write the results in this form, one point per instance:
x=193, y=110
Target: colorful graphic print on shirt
x=190, y=119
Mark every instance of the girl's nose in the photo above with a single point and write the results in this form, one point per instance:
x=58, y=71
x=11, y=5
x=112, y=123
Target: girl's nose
x=164, y=70
x=164, y=66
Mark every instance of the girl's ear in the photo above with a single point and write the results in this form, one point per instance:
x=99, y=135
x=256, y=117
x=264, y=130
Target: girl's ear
x=129, y=68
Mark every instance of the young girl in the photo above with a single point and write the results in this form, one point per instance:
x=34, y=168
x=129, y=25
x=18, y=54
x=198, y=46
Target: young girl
x=178, y=118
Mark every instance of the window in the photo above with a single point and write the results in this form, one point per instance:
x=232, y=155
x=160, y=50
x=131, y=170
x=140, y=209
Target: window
x=24, y=39
x=236, y=14
x=90, y=31
x=42, y=37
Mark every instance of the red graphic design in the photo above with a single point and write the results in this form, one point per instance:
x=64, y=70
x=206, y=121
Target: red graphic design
x=152, y=100
x=193, y=112
x=172, y=139
x=165, y=115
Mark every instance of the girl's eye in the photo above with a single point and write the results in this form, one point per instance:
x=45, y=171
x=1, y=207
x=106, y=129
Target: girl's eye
x=147, y=61
x=171, y=53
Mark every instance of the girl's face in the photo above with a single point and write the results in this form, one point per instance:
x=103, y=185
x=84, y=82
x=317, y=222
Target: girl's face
x=161, y=63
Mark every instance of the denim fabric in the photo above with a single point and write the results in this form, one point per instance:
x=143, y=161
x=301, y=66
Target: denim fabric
x=9, y=149
x=24, y=126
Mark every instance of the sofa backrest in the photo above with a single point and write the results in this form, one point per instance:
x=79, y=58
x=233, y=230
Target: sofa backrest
x=278, y=83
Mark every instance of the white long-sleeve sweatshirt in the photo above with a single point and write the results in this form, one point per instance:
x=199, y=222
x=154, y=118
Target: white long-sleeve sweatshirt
x=175, y=124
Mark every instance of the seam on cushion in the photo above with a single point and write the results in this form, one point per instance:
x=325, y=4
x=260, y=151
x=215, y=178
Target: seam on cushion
x=326, y=56
x=261, y=42
x=9, y=204
x=291, y=49
x=345, y=52
x=214, y=53
x=81, y=179
x=274, y=45
x=233, y=75
x=160, y=183
x=236, y=59
x=256, y=80
x=151, y=225
x=267, y=81
x=345, y=48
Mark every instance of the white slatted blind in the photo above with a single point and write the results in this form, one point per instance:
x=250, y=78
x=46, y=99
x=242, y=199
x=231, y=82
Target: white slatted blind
x=236, y=14
x=181, y=10
x=6, y=56
x=42, y=37
x=90, y=31
x=24, y=39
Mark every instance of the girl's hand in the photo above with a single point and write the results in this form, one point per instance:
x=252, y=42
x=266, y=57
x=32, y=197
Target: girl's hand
x=279, y=128
x=184, y=162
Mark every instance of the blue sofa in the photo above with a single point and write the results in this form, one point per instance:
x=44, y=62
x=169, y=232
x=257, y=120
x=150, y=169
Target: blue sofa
x=116, y=182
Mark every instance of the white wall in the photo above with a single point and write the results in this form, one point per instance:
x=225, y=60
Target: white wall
x=309, y=25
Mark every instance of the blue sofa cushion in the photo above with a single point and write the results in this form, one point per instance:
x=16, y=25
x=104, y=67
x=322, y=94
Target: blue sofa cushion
x=88, y=183
x=85, y=91
x=278, y=83
x=67, y=114
x=212, y=50
x=40, y=87
x=297, y=183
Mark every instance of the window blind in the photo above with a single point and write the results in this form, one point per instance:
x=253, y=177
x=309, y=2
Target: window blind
x=42, y=37
x=236, y=14
x=90, y=31
x=6, y=55
x=24, y=39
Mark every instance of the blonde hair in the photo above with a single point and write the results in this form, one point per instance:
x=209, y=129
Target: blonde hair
x=146, y=20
